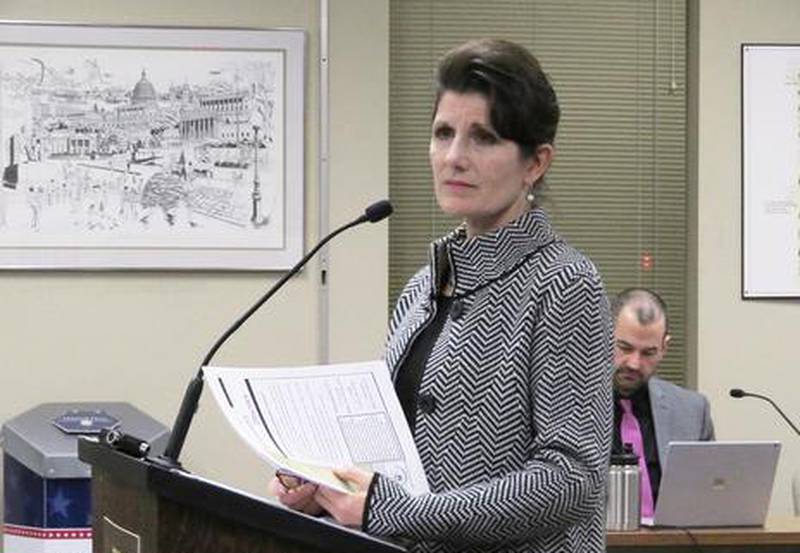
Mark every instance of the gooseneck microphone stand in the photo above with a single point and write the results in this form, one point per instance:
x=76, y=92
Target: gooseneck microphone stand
x=739, y=393
x=374, y=213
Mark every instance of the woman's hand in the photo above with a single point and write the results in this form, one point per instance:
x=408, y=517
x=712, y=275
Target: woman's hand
x=346, y=508
x=300, y=497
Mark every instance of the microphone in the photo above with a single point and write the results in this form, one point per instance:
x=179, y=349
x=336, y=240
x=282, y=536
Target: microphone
x=373, y=213
x=376, y=212
x=739, y=393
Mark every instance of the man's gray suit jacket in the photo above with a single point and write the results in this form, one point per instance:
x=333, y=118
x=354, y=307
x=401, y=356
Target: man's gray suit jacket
x=678, y=415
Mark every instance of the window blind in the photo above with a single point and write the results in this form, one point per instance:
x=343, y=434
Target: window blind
x=617, y=189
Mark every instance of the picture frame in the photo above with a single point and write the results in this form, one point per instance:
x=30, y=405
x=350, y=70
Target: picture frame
x=150, y=148
x=770, y=127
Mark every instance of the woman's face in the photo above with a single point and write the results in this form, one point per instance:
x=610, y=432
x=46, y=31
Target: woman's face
x=477, y=175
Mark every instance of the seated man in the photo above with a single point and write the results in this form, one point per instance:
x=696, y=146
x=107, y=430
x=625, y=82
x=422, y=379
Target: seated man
x=649, y=413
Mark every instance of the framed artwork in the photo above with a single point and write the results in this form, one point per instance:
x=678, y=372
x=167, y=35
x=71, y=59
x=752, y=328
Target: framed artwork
x=150, y=147
x=770, y=171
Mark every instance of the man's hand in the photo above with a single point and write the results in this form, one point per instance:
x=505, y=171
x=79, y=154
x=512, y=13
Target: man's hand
x=346, y=508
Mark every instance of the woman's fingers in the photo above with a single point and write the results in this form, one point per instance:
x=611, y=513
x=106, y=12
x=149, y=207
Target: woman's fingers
x=357, y=478
x=274, y=487
x=300, y=498
x=346, y=508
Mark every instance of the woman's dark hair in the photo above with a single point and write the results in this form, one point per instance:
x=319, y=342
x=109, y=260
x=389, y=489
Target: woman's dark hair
x=522, y=104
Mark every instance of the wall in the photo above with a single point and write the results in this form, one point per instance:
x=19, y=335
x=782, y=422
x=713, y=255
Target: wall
x=138, y=337
x=740, y=344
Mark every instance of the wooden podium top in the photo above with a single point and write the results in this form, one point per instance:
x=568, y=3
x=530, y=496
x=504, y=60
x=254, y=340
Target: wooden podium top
x=776, y=531
x=173, y=511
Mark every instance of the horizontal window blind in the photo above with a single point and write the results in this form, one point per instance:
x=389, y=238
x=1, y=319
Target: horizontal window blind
x=617, y=189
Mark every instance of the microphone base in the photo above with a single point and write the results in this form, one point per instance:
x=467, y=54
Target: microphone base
x=167, y=463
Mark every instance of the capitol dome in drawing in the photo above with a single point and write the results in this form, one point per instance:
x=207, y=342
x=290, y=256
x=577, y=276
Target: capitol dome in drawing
x=144, y=91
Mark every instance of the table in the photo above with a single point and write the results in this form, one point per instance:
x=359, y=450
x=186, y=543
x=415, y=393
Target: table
x=778, y=535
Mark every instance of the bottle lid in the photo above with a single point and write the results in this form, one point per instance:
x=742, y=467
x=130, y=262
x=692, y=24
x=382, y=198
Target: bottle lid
x=627, y=457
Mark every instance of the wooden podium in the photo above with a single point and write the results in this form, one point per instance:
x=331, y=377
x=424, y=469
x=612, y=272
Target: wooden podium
x=140, y=506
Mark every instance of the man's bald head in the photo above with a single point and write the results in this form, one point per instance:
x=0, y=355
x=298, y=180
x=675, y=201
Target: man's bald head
x=646, y=304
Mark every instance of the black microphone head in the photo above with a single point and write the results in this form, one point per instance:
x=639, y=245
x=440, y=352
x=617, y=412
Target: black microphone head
x=737, y=393
x=378, y=211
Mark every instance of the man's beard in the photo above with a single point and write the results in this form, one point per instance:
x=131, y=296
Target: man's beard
x=627, y=380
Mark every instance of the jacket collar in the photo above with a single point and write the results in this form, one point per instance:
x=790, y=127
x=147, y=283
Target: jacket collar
x=481, y=259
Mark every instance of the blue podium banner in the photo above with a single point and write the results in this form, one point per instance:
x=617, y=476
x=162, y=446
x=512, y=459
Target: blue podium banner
x=42, y=514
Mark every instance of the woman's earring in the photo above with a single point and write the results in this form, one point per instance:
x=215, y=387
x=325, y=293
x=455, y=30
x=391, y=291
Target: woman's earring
x=530, y=196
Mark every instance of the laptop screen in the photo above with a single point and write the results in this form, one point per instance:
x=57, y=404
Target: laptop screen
x=716, y=484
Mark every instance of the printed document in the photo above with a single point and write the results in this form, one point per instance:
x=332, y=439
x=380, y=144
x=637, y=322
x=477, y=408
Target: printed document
x=308, y=420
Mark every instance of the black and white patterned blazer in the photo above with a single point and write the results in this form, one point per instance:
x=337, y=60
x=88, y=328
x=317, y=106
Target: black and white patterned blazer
x=514, y=417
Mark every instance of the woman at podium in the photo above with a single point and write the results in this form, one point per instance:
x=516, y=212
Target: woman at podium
x=500, y=347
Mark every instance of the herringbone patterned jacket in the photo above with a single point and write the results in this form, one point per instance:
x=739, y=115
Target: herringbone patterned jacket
x=515, y=407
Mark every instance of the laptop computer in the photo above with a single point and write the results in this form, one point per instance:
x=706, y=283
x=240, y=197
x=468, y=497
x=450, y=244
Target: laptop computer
x=716, y=484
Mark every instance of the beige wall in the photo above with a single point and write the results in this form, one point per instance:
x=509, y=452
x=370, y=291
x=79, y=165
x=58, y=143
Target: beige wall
x=139, y=337
x=745, y=344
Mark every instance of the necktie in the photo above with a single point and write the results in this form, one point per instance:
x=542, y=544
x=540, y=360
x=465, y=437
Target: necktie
x=632, y=434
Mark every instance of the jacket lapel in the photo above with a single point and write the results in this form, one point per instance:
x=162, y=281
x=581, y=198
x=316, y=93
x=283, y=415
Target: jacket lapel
x=661, y=416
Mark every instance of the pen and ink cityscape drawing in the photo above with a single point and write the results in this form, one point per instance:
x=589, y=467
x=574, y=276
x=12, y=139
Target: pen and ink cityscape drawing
x=136, y=147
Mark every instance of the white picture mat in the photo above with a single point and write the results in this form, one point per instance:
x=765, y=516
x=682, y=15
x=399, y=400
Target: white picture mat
x=277, y=244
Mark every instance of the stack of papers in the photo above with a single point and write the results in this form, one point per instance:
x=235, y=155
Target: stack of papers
x=308, y=420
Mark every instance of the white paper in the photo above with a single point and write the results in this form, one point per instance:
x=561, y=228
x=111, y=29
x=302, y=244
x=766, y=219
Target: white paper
x=309, y=420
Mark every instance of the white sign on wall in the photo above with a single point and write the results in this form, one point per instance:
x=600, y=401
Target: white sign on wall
x=770, y=170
